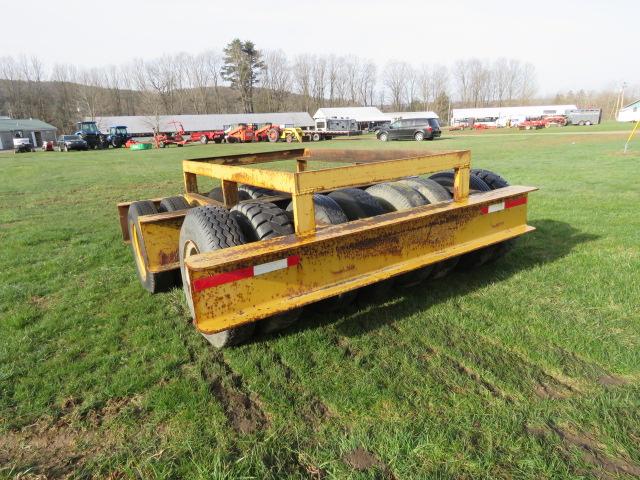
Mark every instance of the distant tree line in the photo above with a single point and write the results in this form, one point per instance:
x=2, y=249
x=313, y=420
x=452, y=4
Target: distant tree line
x=242, y=78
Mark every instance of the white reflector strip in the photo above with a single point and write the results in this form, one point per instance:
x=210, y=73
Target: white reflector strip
x=496, y=207
x=270, y=267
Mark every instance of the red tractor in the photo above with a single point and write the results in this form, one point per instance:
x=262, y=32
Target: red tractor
x=176, y=138
x=242, y=133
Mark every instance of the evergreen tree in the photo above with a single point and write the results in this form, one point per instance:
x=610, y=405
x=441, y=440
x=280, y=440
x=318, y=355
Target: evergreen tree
x=242, y=67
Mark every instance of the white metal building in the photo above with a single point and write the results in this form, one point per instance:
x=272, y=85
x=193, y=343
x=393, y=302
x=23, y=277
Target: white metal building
x=494, y=114
x=144, y=125
x=630, y=113
x=365, y=117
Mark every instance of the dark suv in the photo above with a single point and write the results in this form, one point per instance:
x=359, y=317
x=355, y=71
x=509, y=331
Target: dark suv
x=410, y=129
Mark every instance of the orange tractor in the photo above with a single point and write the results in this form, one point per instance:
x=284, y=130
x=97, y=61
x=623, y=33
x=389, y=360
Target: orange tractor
x=242, y=133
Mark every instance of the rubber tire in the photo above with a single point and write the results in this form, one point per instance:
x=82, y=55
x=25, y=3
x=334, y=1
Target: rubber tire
x=204, y=140
x=396, y=196
x=173, y=204
x=419, y=136
x=261, y=221
x=256, y=192
x=383, y=137
x=315, y=137
x=495, y=181
x=357, y=204
x=328, y=212
x=152, y=282
x=476, y=184
x=216, y=194
x=431, y=190
x=212, y=228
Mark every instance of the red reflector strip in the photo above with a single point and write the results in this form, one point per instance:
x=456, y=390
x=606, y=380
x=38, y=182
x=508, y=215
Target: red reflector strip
x=497, y=207
x=228, y=277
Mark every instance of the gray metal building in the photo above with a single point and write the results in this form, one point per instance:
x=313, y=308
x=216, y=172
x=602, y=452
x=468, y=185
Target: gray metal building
x=36, y=131
x=144, y=125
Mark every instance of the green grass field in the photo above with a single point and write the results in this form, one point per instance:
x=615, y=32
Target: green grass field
x=526, y=368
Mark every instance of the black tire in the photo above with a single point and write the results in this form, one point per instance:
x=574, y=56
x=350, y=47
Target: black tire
x=152, y=282
x=173, y=204
x=328, y=212
x=495, y=181
x=357, y=204
x=418, y=136
x=383, y=137
x=315, y=137
x=204, y=140
x=432, y=191
x=261, y=221
x=396, y=196
x=206, y=229
x=476, y=184
x=218, y=140
x=256, y=192
x=216, y=194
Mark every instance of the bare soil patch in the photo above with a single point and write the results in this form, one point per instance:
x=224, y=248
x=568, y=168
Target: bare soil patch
x=243, y=414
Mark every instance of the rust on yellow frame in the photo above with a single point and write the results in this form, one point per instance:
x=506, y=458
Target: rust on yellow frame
x=345, y=257
x=161, y=236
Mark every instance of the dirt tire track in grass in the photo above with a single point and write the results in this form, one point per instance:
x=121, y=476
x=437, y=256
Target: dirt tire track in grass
x=487, y=354
x=574, y=364
x=242, y=411
x=477, y=378
x=313, y=410
x=239, y=404
x=592, y=453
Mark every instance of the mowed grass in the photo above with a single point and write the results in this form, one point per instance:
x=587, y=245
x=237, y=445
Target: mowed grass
x=525, y=368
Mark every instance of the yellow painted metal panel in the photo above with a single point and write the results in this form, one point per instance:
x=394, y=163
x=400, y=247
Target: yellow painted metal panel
x=344, y=257
x=282, y=181
x=339, y=177
x=161, y=237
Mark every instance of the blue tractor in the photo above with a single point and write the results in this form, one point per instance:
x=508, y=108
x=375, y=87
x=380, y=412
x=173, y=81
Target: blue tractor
x=118, y=136
x=90, y=134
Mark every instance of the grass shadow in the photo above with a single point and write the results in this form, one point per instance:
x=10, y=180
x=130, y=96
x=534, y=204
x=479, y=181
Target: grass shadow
x=551, y=241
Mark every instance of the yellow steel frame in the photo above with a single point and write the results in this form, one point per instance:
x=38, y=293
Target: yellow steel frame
x=333, y=259
x=303, y=183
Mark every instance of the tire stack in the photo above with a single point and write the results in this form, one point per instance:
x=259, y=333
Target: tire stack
x=214, y=227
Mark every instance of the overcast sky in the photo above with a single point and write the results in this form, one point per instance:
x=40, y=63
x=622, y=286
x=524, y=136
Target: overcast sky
x=573, y=44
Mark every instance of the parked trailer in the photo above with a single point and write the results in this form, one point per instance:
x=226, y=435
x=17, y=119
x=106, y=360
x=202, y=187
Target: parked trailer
x=591, y=116
x=216, y=136
x=354, y=229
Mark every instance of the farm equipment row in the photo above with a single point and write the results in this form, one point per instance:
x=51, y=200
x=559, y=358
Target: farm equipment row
x=255, y=253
